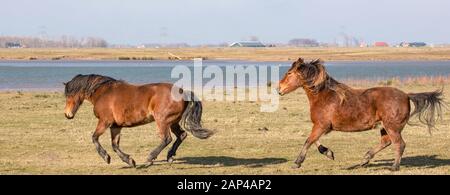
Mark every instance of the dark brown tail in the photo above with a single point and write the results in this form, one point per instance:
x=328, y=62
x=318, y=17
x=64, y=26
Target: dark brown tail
x=428, y=107
x=192, y=117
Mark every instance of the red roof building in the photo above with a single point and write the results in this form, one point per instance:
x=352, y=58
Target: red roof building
x=380, y=44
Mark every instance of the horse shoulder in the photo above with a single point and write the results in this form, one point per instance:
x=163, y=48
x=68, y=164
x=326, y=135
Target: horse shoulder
x=323, y=108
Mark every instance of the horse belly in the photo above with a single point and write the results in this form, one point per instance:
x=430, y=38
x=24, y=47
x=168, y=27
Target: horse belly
x=355, y=122
x=355, y=127
x=135, y=119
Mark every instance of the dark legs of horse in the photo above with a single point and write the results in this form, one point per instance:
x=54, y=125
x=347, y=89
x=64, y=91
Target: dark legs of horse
x=181, y=135
x=324, y=150
x=313, y=137
x=101, y=127
x=115, y=140
x=164, y=134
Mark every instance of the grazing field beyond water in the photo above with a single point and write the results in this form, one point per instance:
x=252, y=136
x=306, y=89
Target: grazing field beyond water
x=35, y=138
x=256, y=54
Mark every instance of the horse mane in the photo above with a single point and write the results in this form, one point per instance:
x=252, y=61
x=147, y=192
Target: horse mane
x=87, y=84
x=317, y=79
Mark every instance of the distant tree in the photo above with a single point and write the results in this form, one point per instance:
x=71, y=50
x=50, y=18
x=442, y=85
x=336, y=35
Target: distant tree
x=303, y=42
x=61, y=42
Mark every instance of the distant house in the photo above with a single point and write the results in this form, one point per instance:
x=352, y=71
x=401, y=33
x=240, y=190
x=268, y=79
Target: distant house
x=404, y=44
x=13, y=45
x=417, y=44
x=412, y=44
x=362, y=44
x=381, y=44
x=247, y=44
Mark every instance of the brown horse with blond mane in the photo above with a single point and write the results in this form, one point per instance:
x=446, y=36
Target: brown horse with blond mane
x=337, y=107
x=118, y=104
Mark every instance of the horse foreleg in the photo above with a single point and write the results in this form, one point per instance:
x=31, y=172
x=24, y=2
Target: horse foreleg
x=164, y=134
x=313, y=137
x=181, y=135
x=115, y=141
x=101, y=127
x=324, y=150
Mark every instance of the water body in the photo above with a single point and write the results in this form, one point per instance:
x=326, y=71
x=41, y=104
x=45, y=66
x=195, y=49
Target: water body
x=49, y=75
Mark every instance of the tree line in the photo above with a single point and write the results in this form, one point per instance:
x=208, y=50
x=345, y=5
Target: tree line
x=61, y=42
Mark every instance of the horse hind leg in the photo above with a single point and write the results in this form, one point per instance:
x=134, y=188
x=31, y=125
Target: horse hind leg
x=164, y=134
x=385, y=141
x=181, y=135
x=399, y=146
x=115, y=141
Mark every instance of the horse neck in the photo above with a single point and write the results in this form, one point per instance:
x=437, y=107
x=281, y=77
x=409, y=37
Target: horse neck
x=94, y=97
x=313, y=97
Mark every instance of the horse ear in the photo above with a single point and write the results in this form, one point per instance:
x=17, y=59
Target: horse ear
x=317, y=62
x=64, y=83
x=298, y=63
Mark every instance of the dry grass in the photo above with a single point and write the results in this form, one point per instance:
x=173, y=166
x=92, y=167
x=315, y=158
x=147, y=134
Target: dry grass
x=35, y=138
x=396, y=81
x=258, y=54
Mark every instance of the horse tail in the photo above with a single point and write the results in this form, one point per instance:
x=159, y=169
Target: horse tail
x=192, y=117
x=428, y=107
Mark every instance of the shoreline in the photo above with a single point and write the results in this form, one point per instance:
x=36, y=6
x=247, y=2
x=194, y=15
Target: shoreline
x=280, y=54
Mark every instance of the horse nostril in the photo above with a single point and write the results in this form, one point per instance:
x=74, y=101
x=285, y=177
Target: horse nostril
x=279, y=91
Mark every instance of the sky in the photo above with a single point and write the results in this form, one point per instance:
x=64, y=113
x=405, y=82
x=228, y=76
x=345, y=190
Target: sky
x=219, y=21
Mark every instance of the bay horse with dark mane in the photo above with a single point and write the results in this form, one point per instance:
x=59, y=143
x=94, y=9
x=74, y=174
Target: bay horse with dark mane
x=118, y=104
x=337, y=107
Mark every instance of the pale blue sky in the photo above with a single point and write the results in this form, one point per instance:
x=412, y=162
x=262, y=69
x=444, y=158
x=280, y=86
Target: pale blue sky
x=216, y=21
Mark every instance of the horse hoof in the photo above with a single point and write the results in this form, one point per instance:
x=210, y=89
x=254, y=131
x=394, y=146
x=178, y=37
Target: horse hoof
x=170, y=160
x=296, y=166
x=145, y=165
x=132, y=163
x=395, y=168
x=364, y=164
x=152, y=157
x=107, y=158
x=330, y=154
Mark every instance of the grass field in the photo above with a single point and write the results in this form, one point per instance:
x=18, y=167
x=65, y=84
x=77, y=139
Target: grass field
x=258, y=54
x=35, y=138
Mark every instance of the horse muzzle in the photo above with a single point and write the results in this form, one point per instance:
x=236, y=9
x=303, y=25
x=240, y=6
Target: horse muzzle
x=280, y=92
x=69, y=115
